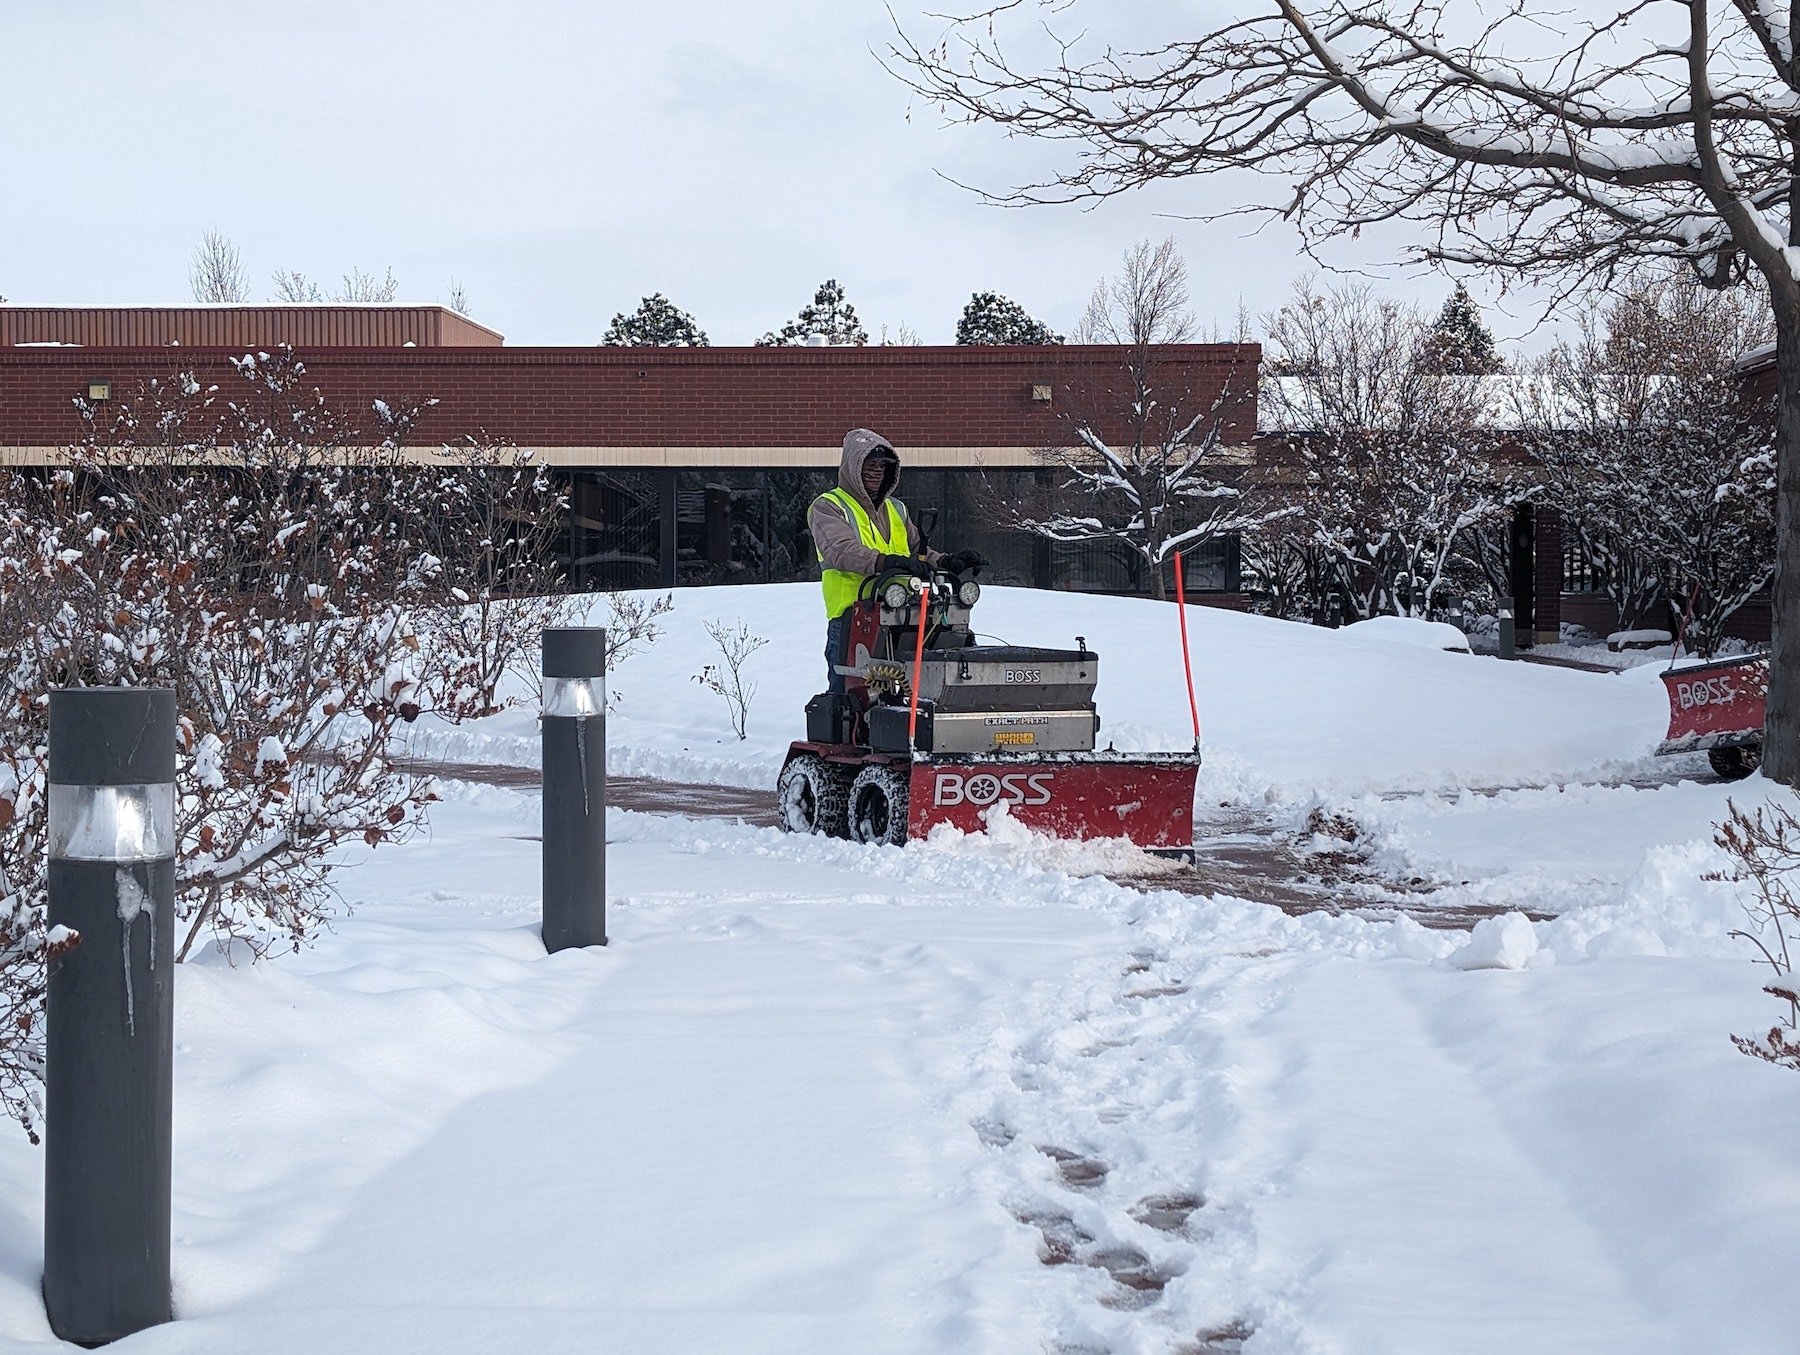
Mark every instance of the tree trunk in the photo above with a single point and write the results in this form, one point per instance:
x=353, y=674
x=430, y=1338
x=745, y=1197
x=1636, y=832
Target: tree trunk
x=1781, y=728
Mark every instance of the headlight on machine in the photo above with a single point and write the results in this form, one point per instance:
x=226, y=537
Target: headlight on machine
x=968, y=592
x=896, y=595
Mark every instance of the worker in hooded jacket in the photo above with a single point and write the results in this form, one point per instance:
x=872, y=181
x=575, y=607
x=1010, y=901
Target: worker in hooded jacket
x=860, y=529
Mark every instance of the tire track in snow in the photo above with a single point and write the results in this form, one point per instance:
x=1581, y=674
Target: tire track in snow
x=1426, y=1223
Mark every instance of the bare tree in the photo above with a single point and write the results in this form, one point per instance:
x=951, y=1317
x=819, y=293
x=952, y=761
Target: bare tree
x=1523, y=136
x=1146, y=302
x=293, y=286
x=459, y=298
x=364, y=287
x=1147, y=467
x=357, y=287
x=215, y=272
x=1397, y=467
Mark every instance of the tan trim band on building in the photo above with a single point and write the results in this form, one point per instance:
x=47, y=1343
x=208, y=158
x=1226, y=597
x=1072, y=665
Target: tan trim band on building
x=693, y=458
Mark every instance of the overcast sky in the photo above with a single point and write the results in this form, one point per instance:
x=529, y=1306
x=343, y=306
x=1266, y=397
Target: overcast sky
x=560, y=160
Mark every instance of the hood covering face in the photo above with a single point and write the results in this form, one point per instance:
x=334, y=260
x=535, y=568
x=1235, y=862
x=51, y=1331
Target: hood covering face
x=860, y=445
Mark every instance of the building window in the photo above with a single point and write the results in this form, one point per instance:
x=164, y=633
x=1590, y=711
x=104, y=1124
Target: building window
x=1579, y=573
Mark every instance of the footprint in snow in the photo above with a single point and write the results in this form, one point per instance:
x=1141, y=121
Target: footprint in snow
x=1164, y=990
x=1167, y=1213
x=993, y=1133
x=1077, y=1170
x=1138, y=1283
x=1226, y=1340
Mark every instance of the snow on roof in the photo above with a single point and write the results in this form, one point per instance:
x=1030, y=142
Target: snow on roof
x=1760, y=356
x=1285, y=403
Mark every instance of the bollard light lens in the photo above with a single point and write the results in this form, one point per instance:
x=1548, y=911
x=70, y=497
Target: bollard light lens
x=578, y=697
x=112, y=823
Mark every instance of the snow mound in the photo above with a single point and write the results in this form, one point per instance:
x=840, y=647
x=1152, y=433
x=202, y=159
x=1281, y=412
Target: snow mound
x=1287, y=709
x=1505, y=942
x=1407, y=630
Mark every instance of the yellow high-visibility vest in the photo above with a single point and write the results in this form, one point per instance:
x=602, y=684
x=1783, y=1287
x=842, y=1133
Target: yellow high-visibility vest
x=840, y=584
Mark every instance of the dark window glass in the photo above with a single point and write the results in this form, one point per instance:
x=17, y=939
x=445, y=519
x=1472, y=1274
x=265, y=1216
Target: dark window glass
x=746, y=526
x=613, y=530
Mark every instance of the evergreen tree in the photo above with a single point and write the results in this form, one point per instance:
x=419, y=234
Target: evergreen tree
x=990, y=318
x=829, y=315
x=1459, y=344
x=656, y=323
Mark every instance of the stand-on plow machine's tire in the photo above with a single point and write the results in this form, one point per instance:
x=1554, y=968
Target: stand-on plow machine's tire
x=812, y=797
x=1736, y=762
x=878, y=805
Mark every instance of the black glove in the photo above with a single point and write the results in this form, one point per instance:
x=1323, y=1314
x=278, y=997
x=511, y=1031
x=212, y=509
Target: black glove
x=902, y=564
x=965, y=562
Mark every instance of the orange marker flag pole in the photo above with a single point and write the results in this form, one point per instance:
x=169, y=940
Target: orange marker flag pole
x=1187, y=662
x=912, y=715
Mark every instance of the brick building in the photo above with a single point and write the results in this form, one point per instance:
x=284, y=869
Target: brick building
x=683, y=465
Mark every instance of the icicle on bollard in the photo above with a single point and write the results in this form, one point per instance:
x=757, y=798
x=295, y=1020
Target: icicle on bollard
x=109, y=1036
x=574, y=734
x=1508, y=637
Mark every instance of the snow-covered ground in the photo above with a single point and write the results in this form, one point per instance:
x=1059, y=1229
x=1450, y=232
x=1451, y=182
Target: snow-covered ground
x=1287, y=710
x=970, y=1095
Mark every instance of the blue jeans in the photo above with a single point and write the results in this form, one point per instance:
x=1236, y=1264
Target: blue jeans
x=836, y=631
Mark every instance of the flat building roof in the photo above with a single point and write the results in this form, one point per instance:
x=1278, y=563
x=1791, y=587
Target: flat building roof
x=319, y=325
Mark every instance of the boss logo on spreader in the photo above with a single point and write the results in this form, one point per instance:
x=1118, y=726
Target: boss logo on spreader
x=1710, y=692
x=983, y=788
x=1024, y=674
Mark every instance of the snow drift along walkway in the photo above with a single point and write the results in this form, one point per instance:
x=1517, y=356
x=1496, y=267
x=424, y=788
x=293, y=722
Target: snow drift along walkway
x=1288, y=709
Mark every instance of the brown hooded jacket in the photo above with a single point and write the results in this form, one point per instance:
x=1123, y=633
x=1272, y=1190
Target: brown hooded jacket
x=832, y=530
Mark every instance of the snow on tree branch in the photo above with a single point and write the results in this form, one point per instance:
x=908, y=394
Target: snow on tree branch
x=306, y=586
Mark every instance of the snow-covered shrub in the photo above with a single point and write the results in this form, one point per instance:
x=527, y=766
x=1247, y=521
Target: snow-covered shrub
x=501, y=518
x=1765, y=851
x=280, y=566
x=633, y=624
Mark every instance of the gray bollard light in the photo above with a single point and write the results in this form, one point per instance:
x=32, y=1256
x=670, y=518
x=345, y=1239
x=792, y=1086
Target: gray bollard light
x=1508, y=637
x=109, y=1013
x=574, y=736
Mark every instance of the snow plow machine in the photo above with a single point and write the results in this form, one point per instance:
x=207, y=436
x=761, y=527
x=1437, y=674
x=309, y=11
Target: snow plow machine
x=933, y=728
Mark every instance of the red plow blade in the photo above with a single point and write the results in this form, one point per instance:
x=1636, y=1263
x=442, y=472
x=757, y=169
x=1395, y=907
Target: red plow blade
x=1715, y=702
x=1146, y=798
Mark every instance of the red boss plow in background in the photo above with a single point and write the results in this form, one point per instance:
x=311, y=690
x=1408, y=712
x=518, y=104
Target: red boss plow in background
x=932, y=728
x=1718, y=706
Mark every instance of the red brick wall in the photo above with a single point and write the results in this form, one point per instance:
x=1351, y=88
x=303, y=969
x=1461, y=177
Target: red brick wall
x=710, y=397
x=1596, y=612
